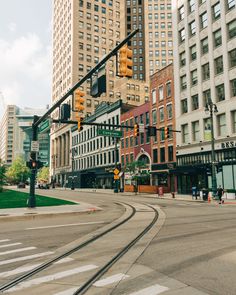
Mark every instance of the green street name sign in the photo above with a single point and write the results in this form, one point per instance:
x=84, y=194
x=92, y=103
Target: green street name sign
x=45, y=126
x=107, y=132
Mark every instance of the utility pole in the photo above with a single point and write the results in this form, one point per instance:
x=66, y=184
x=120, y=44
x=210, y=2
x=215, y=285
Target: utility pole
x=116, y=161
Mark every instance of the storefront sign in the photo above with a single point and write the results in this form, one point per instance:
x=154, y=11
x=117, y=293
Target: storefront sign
x=228, y=144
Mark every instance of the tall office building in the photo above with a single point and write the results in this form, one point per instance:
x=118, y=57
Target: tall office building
x=152, y=46
x=205, y=72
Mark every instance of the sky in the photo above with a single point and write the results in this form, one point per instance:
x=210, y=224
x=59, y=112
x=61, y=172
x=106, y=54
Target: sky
x=25, y=53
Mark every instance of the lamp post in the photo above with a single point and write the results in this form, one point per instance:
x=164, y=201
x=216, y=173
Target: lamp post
x=212, y=108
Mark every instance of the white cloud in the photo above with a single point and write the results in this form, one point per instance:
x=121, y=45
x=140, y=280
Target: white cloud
x=12, y=27
x=25, y=71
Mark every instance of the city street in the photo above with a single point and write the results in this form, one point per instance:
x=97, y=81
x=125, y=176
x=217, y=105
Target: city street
x=189, y=250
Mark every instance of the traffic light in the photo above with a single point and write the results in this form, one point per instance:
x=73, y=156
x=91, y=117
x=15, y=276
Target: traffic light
x=167, y=132
x=136, y=130
x=126, y=63
x=80, y=124
x=79, y=101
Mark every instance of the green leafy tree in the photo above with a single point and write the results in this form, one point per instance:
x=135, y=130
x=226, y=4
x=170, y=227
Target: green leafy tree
x=43, y=175
x=134, y=168
x=18, y=172
x=2, y=175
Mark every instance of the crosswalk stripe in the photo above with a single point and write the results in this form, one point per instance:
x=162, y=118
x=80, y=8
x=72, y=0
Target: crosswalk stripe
x=10, y=245
x=29, y=267
x=3, y=262
x=152, y=290
x=17, y=250
x=68, y=291
x=3, y=241
x=55, y=276
x=110, y=280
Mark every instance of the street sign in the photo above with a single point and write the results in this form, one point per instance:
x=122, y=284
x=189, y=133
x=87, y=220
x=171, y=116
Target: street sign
x=45, y=126
x=116, y=177
x=107, y=132
x=141, y=128
x=34, y=146
x=116, y=171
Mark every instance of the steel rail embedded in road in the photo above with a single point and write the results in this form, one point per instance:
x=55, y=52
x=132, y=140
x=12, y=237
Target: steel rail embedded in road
x=45, y=265
x=86, y=286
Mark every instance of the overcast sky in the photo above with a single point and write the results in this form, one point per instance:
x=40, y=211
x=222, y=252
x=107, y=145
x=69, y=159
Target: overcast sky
x=25, y=52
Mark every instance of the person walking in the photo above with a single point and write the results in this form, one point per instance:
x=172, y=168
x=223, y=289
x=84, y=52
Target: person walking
x=220, y=193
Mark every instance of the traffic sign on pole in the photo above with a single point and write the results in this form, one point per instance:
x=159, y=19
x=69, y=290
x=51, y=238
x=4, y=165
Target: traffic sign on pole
x=107, y=132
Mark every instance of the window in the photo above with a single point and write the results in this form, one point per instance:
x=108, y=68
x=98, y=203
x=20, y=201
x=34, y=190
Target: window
x=216, y=11
x=204, y=45
x=217, y=38
x=169, y=111
x=206, y=96
x=233, y=87
x=194, y=77
x=181, y=13
x=162, y=154
x=219, y=67
x=191, y=5
x=170, y=153
x=183, y=82
x=182, y=58
x=192, y=28
x=220, y=92
x=196, y=131
x=231, y=4
x=233, y=116
x=221, y=122
x=205, y=72
x=232, y=58
x=161, y=92
x=193, y=52
x=184, y=106
x=154, y=96
x=154, y=116
x=185, y=135
x=203, y=20
x=168, y=89
x=195, y=103
x=155, y=155
x=161, y=114
x=232, y=29
x=182, y=35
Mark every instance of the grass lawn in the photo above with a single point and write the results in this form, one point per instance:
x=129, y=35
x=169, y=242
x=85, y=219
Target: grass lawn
x=14, y=199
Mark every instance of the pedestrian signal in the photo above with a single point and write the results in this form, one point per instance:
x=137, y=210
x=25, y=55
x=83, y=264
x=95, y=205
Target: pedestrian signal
x=126, y=63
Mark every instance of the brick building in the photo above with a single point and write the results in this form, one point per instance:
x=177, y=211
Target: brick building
x=162, y=106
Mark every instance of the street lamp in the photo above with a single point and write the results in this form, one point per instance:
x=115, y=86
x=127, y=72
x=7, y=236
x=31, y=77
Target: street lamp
x=212, y=108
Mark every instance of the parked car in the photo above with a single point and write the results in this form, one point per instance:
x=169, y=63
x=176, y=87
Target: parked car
x=43, y=185
x=21, y=185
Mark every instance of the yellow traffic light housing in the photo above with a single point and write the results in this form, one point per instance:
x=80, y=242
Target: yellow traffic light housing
x=79, y=101
x=126, y=63
x=167, y=132
x=136, y=130
x=80, y=124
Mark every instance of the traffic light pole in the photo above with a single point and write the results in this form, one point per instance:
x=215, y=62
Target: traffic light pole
x=31, y=203
x=116, y=161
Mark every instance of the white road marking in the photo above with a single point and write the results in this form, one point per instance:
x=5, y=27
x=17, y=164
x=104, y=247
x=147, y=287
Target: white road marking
x=64, y=225
x=68, y=292
x=10, y=245
x=55, y=276
x=29, y=267
x=6, y=240
x=3, y=262
x=17, y=250
x=110, y=280
x=152, y=290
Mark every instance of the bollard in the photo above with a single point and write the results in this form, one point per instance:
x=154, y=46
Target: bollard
x=209, y=198
x=173, y=195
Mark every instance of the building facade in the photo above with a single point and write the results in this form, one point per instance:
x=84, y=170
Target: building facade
x=162, y=110
x=205, y=72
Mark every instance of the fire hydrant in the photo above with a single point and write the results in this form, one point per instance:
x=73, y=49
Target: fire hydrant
x=173, y=195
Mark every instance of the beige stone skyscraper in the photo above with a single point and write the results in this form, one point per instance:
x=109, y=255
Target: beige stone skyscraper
x=83, y=32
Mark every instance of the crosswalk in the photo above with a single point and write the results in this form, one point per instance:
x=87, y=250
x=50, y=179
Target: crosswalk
x=67, y=268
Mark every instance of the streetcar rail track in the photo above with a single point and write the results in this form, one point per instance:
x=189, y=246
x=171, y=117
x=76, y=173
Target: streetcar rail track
x=45, y=265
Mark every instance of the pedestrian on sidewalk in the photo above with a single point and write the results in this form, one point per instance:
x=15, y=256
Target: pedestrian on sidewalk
x=220, y=193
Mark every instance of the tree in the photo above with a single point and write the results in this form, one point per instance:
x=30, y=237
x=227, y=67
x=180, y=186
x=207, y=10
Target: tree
x=2, y=175
x=134, y=169
x=43, y=175
x=18, y=172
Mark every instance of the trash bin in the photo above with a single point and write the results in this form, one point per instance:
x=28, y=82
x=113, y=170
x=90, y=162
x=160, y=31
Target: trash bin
x=204, y=194
x=194, y=192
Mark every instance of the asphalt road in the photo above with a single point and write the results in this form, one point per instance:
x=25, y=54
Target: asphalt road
x=191, y=251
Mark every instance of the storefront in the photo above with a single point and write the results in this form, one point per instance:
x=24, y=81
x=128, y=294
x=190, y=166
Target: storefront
x=162, y=176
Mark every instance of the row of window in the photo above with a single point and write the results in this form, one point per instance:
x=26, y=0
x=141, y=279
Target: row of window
x=169, y=114
x=162, y=90
x=195, y=128
x=216, y=8
x=217, y=35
